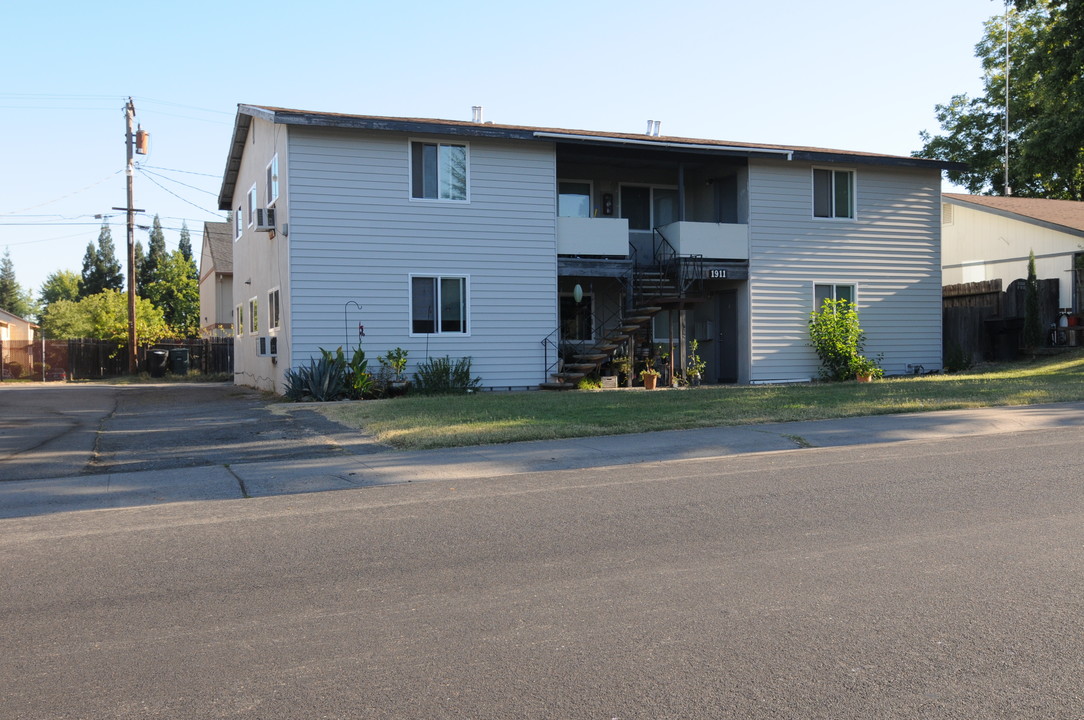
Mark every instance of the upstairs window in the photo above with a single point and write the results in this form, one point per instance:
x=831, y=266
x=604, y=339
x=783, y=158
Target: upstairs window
x=252, y=206
x=573, y=199
x=438, y=171
x=253, y=319
x=273, y=181
x=833, y=193
x=438, y=305
x=238, y=223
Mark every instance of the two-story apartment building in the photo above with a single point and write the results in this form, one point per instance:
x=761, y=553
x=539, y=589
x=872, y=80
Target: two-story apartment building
x=517, y=245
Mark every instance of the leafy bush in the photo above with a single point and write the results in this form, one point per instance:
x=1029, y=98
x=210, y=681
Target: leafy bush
x=837, y=337
x=442, y=376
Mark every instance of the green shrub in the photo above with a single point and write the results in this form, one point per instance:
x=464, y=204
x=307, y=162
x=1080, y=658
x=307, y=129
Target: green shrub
x=330, y=377
x=442, y=376
x=837, y=337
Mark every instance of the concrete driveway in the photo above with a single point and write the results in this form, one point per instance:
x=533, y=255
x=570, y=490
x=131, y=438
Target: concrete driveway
x=53, y=431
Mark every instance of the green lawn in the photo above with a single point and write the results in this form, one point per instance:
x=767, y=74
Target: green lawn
x=416, y=422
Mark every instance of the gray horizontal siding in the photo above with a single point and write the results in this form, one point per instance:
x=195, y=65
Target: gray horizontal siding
x=356, y=235
x=891, y=252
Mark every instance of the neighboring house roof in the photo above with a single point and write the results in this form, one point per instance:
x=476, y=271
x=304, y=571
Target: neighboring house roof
x=1065, y=215
x=285, y=116
x=220, y=244
x=11, y=318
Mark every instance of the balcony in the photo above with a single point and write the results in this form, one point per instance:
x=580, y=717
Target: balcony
x=714, y=241
x=605, y=237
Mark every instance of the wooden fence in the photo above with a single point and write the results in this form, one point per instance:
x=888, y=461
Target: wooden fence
x=980, y=321
x=90, y=359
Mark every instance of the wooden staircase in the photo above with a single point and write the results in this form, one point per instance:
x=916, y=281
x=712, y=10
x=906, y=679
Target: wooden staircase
x=663, y=284
x=591, y=359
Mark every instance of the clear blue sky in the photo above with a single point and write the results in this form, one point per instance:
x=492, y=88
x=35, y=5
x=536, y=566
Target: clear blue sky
x=849, y=74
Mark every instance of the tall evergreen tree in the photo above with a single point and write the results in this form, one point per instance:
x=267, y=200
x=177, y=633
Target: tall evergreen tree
x=156, y=254
x=140, y=261
x=101, y=269
x=13, y=298
x=176, y=293
x=185, y=244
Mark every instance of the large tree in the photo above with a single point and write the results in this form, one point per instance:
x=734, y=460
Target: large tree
x=13, y=298
x=105, y=316
x=101, y=269
x=176, y=292
x=156, y=254
x=1045, y=107
x=59, y=285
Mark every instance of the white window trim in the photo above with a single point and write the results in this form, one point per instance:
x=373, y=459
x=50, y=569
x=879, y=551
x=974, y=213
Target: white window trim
x=813, y=194
x=835, y=284
x=272, y=178
x=410, y=172
x=254, y=315
x=651, y=202
x=436, y=329
x=277, y=317
x=239, y=224
x=592, y=209
x=239, y=320
x=586, y=295
x=253, y=204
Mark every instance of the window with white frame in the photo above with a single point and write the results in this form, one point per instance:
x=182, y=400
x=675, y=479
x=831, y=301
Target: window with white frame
x=573, y=199
x=273, y=313
x=438, y=171
x=438, y=305
x=273, y=181
x=648, y=207
x=577, y=318
x=833, y=193
x=252, y=198
x=237, y=223
x=827, y=291
x=239, y=320
x=253, y=318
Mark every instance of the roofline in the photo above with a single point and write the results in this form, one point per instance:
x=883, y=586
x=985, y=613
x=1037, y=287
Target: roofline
x=302, y=118
x=958, y=200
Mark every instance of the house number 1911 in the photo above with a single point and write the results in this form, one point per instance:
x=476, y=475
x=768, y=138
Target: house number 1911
x=716, y=274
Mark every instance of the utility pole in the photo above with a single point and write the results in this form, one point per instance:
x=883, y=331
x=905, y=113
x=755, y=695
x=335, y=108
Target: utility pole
x=129, y=146
x=134, y=141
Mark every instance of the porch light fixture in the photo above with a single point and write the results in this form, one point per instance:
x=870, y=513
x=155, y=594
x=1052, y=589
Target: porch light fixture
x=577, y=293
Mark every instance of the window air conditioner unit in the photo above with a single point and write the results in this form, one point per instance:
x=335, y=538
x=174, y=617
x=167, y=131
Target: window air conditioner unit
x=265, y=219
x=267, y=346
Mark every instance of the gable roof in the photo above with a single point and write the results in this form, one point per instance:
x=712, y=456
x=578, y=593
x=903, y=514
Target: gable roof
x=286, y=116
x=1066, y=215
x=220, y=245
x=11, y=318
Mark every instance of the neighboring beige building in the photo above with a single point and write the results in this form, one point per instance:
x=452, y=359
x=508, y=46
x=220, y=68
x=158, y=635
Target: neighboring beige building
x=216, y=281
x=16, y=340
x=989, y=238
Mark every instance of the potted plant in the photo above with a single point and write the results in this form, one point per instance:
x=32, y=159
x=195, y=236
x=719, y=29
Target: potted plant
x=650, y=376
x=866, y=369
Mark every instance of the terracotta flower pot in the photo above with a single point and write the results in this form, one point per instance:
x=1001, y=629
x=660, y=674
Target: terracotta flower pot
x=650, y=381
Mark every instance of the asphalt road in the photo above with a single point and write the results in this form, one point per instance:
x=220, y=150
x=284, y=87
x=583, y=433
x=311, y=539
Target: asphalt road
x=50, y=431
x=936, y=579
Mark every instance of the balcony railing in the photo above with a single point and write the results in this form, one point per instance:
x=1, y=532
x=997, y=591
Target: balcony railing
x=713, y=241
x=606, y=237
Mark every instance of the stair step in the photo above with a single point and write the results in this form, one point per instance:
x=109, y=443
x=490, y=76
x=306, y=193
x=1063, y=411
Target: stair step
x=569, y=376
x=641, y=319
x=580, y=367
x=617, y=338
x=591, y=357
x=648, y=310
x=556, y=386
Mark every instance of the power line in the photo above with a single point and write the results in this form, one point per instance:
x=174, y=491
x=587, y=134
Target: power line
x=187, y=172
x=193, y=187
x=160, y=185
